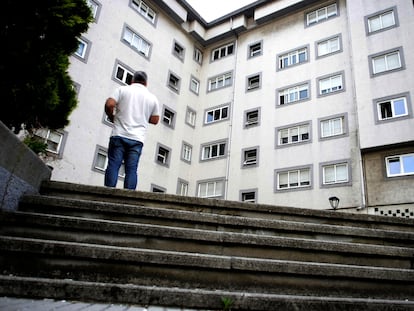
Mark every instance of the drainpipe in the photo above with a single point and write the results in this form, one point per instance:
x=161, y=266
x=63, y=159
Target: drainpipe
x=230, y=128
x=354, y=98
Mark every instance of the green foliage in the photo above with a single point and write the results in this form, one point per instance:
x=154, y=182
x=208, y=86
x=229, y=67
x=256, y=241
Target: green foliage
x=36, y=144
x=40, y=35
x=227, y=303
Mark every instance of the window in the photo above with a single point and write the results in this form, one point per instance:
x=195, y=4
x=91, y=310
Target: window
x=178, y=50
x=321, y=14
x=158, y=189
x=255, y=49
x=186, y=152
x=253, y=82
x=136, y=41
x=333, y=126
x=248, y=196
x=174, y=82
x=252, y=117
x=293, y=94
x=194, y=85
x=101, y=162
x=335, y=173
x=387, y=61
x=331, y=84
x=144, y=10
x=94, y=6
x=250, y=157
x=293, y=58
x=168, y=117
x=163, y=155
x=381, y=21
x=293, y=178
x=216, y=114
x=220, y=81
x=198, y=55
x=328, y=46
x=222, y=51
x=213, y=150
x=190, y=117
x=394, y=107
x=83, y=49
x=293, y=134
x=123, y=75
x=400, y=165
x=53, y=139
x=211, y=189
x=182, y=187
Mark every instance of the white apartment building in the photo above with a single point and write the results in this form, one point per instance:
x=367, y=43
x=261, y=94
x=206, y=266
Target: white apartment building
x=282, y=102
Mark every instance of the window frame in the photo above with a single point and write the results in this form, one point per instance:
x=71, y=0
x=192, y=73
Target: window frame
x=175, y=87
x=391, y=98
x=127, y=70
x=277, y=172
x=198, y=55
x=190, y=112
x=197, y=83
x=60, y=145
x=100, y=150
x=399, y=156
x=145, y=15
x=335, y=165
x=214, y=181
x=87, y=47
x=329, y=39
x=180, y=184
x=157, y=189
x=220, y=109
x=220, y=49
x=244, y=160
x=328, y=17
x=216, y=79
x=291, y=87
x=140, y=38
x=167, y=157
x=248, y=191
x=331, y=89
x=171, y=122
x=249, y=87
x=184, y=157
x=251, y=54
x=211, y=145
x=95, y=7
x=289, y=54
x=389, y=52
x=289, y=128
x=178, y=50
x=246, y=123
x=344, y=127
x=379, y=14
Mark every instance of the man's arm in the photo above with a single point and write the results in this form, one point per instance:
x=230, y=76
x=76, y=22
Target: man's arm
x=154, y=119
x=110, y=105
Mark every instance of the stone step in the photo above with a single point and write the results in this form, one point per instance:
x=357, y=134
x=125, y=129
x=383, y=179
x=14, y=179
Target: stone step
x=149, y=236
x=216, y=222
x=196, y=299
x=124, y=265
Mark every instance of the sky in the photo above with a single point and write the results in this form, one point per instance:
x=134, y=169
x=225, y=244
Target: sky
x=213, y=9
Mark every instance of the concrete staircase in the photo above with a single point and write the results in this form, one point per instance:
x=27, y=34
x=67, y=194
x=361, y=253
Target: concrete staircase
x=87, y=243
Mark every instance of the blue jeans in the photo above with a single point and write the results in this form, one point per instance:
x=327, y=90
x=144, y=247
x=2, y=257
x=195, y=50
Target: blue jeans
x=127, y=150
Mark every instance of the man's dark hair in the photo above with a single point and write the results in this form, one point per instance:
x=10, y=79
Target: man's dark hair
x=140, y=77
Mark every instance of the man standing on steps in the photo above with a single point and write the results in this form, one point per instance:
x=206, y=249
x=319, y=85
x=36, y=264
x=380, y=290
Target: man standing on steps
x=131, y=108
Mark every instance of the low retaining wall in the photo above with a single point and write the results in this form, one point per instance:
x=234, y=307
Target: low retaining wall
x=21, y=170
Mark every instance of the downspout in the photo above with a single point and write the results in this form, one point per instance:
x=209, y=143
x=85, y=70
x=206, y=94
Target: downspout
x=230, y=128
x=354, y=97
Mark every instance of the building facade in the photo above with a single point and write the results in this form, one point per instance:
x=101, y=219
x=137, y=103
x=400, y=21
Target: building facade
x=281, y=102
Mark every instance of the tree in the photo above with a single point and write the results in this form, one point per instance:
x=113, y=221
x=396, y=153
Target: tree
x=38, y=36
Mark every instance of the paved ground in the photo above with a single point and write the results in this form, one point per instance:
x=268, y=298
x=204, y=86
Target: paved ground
x=20, y=304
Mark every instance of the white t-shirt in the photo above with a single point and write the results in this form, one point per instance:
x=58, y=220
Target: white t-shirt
x=135, y=106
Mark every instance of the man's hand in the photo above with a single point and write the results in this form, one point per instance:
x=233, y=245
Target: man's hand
x=110, y=105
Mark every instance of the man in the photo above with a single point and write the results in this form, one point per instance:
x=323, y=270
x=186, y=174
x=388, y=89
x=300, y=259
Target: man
x=131, y=108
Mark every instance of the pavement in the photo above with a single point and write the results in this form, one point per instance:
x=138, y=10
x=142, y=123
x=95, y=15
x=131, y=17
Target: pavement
x=23, y=304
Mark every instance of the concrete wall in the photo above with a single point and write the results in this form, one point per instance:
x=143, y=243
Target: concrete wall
x=21, y=170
